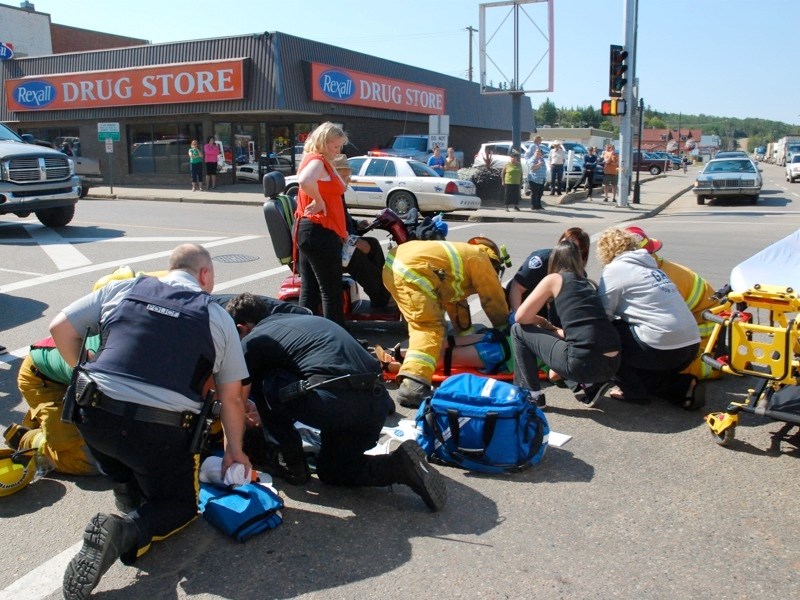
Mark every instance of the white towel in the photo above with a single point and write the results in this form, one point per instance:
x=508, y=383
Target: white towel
x=211, y=472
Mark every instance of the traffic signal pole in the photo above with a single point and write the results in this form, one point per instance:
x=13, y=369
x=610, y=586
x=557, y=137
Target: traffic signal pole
x=626, y=129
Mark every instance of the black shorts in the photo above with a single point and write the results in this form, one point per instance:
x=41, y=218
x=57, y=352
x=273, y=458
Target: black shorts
x=211, y=168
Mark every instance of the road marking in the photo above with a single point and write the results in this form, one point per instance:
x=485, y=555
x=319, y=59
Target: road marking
x=28, y=283
x=107, y=240
x=21, y=272
x=43, y=580
x=63, y=254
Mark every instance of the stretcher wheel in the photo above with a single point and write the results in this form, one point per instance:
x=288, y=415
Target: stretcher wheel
x=725, y=438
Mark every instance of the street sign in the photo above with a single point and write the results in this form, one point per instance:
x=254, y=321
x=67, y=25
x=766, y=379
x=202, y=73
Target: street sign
x=109, y=146
x=6, y=50
x=108, y=131
x=437, y=140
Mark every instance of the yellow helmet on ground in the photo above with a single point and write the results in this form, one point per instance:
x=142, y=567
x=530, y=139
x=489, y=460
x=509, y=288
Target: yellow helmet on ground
x=124, y=272
x=17, y=469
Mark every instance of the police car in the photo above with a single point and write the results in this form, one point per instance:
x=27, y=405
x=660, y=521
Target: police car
x=401, y=184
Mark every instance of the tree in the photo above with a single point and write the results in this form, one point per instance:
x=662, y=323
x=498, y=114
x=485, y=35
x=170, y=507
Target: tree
x=547, y=113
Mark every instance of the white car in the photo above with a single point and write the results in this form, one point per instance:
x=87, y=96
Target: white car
x=793, y=169
x=724, y=177
x=249, y=171
x=401, y=184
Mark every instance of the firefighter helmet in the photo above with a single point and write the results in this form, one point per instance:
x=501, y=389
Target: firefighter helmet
x=17, y=470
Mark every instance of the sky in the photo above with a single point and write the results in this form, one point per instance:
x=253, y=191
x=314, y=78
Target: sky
x=723, y=58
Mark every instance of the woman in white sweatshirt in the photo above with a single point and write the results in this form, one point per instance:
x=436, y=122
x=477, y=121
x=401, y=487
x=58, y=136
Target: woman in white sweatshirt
x=659, y=335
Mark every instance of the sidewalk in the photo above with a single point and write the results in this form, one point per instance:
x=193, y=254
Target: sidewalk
x=655, y=194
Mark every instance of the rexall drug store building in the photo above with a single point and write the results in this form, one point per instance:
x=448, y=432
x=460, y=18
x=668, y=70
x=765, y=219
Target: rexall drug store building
x=259, y=94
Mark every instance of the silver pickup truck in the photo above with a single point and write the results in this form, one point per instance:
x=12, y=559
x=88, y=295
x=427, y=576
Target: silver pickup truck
x=35, y=179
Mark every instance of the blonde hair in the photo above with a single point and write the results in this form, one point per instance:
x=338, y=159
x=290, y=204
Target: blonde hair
x=612, y=243
x=321, y=136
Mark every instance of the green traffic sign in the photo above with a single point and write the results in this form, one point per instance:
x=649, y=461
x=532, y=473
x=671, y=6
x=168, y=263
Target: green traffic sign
x=108, y=135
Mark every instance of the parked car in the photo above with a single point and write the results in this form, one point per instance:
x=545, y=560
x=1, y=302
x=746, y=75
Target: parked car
x=500, y=157
x=401, y=184
x=651, y=164
x=250, y=171
x=674, y=160
x=726, y=177
x=793, y=169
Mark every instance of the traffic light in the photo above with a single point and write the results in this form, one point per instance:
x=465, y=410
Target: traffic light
x=616, y=71
x=613, y=107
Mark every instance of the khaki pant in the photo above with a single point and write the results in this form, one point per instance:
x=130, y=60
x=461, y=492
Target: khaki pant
x=60, y=442
x=426, y=328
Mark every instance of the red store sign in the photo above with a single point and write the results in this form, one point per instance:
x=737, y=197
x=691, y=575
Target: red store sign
x=334, y=84
x=165, y=84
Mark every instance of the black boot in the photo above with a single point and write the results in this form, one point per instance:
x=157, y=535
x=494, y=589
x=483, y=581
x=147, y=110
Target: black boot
x=414, y=471
x=105, y=539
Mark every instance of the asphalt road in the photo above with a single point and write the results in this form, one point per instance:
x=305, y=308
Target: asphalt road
x=639, y=504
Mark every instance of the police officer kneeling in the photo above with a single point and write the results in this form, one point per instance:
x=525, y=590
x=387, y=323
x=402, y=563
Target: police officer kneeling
x=309, y=369
x=161, y=340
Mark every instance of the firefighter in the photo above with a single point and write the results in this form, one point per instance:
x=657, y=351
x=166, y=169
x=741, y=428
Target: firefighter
x=42, y=381
x=429, y=279
x=696, y=292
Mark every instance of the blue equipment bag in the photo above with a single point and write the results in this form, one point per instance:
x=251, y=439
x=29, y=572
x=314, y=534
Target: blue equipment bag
x=242, y=511
x=482, y=424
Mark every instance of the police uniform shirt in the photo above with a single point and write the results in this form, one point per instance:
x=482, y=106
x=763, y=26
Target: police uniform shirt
x=532, y=271
x=92, y=310
x=304, y=345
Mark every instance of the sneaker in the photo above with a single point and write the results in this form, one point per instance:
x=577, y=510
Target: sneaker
x=592, y=393
x=516, y=208
x=3, y=349
x=412, y=393
x=419, y=475
x=506, y=209
x=105, y=539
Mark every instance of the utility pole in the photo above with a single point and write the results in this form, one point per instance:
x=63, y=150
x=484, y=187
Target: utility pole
x=626, y=129
x=471, y=30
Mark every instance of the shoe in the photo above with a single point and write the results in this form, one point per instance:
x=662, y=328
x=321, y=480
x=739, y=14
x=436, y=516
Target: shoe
x=552, y=193
x=539, y=400
x=697, y=399
x=506, y=209
x=592, y=393
x=412, y=393
x=105, y=539
x=3, y=349
x=13, y=435
x=127, y=496
x=415, y=472
x=605, y=199
x=516, y=208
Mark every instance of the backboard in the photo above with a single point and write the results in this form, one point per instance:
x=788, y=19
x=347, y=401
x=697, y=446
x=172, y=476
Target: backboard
x=516, y=46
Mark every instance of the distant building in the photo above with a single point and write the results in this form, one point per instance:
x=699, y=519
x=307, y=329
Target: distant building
x=671, y=140
x=32, y=34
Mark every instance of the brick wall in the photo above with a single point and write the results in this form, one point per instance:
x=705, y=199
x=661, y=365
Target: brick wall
x=74, y=39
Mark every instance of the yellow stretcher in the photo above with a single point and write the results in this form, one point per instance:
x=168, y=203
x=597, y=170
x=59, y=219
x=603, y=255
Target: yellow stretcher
x=769, y=351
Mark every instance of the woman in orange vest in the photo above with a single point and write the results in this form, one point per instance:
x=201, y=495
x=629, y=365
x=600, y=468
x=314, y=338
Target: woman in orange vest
x=321, y=224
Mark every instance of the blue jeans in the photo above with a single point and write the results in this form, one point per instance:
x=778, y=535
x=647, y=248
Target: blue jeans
x=556, y=177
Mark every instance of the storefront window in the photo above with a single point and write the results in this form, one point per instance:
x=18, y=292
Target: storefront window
x=249, y=138
x=56, y=136
x=161, y=148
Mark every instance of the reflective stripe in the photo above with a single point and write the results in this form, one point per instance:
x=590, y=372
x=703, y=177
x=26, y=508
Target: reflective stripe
x=706, y=329
x=456, y=268
x=696, y=293
x=411, y=276
x=421, y=357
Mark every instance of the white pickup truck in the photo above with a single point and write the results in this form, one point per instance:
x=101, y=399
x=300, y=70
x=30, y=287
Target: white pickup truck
x=35, y=179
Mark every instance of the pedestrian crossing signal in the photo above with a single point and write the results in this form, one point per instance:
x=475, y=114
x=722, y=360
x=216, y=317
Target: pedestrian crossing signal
x=612, y=108
x=616, y=71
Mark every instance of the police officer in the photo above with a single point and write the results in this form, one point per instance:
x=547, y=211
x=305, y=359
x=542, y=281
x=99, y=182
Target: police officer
x=344, y=399
x=162, y=339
